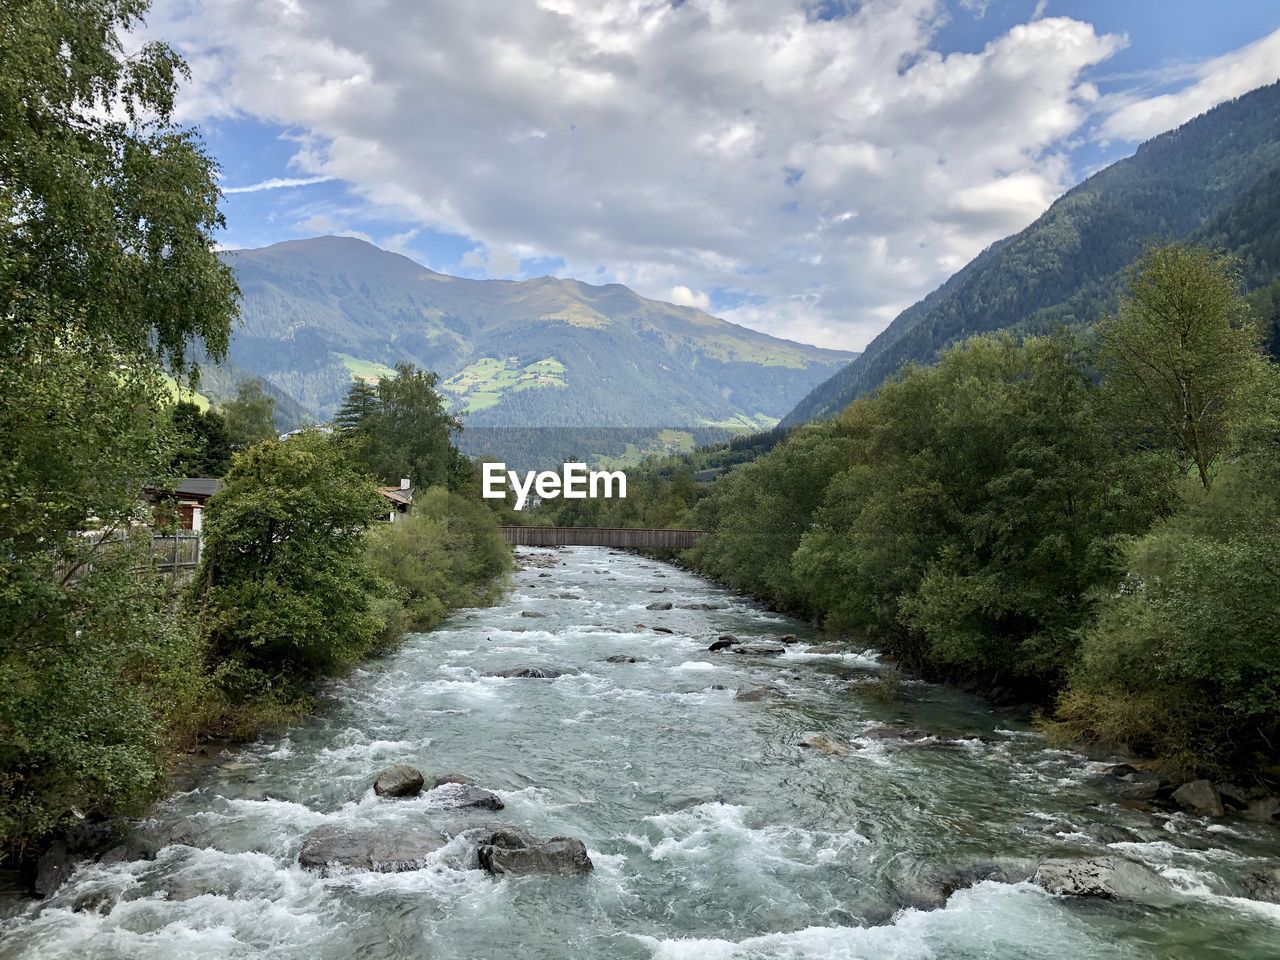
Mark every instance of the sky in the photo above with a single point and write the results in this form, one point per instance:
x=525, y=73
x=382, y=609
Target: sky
x=803, y=167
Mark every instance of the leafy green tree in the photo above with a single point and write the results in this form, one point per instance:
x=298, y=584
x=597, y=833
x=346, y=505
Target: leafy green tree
x=283, y=590
x=1183, y=661
x=447, y=552
x=107, y=216
x=107, y=209
x=406, y=431
x=248, y=415
x=202, y=446
x=1181, y=359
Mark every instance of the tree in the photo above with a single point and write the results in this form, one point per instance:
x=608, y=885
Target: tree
x=1180, y=359
x=408, y=431
x=360, y=405
x=202, y=445
x=107, y=209
x=248, y=415
x=107, y=265
x=283, y=589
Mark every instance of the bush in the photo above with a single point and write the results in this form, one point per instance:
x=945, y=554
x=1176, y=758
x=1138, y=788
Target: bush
x=447, y=552
x=284, y=593
x=1191, y=636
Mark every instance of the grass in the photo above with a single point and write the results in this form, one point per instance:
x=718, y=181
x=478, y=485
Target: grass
x=482, y=384
x=182, y=393
x=368, y=370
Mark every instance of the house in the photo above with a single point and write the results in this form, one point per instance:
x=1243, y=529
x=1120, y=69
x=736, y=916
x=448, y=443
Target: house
x=187, y=499
x=399, y=499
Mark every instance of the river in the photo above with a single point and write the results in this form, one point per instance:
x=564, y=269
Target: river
x=712, y=832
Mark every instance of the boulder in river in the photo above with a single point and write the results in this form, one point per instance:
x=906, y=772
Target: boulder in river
x=620, y=658
x=698, y=606
x=381, y=849
x=441, y=780
x=512, y=852
x=1109, y=878
x=889, y=731
x=723, y=643
x=531, y=614
x=760, y=649
x=528, y=673
x=659, y=589
x=753, y=693
x=400, y=780
x=663, y=630
x=1263, y=885
x=1199, y=797
x=788, y=639
x=934, y=889
x=660, y=605
x=454, y=796
x=823, y=743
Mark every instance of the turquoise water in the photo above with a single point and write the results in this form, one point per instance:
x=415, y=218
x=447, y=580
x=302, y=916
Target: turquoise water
x=713, y=833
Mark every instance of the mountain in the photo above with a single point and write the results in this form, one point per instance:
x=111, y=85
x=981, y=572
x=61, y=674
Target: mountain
x=521, y=354
x=1212, y=179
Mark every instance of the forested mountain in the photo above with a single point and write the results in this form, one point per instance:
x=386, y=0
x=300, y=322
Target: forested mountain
x=1215, y=179
x=532, y=353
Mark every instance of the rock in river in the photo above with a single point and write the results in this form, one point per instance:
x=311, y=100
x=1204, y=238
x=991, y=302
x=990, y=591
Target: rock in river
x=381, y=849
x=660, y=605
x=1199, y=797
x=1110, y=878
x=724, y=642
x=751, y=693
x=760, y=649
x=823, y=743
x=531, y=614
x=513, y=852
x=620, y=658
x=458, y=795
x=400, y=780
x=528, y=673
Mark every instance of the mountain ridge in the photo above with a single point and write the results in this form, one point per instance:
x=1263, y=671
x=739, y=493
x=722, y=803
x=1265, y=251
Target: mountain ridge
x=1067, y=266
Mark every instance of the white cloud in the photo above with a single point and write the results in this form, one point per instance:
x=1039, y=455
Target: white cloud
x=833, y=170
x=277, y=183
x=494, y=263
x=1215, y=80
x=682, y=295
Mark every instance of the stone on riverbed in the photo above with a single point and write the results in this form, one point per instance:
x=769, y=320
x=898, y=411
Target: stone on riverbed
x=458, y=795
x=620, y=658
x=1108, y=878
x=724, y=642
x=663, y=630
x=823, y=743
x=379, y=849
x=512, y=852
x=531, y=614
x=1199, y=797
x=753, y=693
x=400, y=780
x=528, y=673
x=759, y=649
x=660, y=605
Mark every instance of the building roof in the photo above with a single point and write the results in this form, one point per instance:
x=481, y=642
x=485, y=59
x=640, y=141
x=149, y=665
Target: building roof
x=400, y=496
x=200, y=487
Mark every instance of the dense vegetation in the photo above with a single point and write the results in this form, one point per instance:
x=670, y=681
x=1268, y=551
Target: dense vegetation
x=1214, y=180
x=1092, y=529
x=109, y=280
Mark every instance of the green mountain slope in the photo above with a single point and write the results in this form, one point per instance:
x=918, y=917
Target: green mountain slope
x=1067, y=266
x=532, y=353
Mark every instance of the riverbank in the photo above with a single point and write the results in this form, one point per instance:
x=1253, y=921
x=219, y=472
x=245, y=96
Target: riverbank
x=713, y=830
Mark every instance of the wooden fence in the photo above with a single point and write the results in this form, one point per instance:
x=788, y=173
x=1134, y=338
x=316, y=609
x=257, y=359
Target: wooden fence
x=623, y=538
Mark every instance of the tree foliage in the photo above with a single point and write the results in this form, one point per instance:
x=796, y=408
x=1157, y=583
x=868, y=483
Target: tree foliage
x=283, y=590
x=249, y=415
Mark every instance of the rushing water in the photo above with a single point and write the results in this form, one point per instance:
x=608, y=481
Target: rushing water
x=713, y=833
